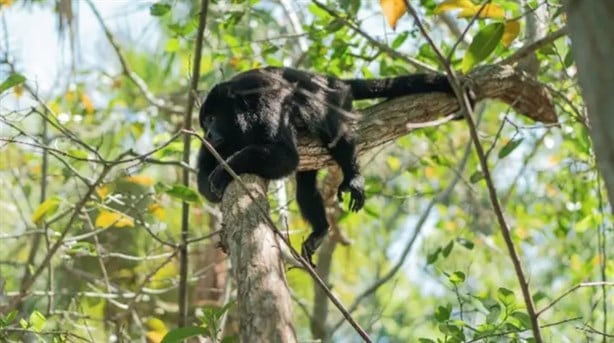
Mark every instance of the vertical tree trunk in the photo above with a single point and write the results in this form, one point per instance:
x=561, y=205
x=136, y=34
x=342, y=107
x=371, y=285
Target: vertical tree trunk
x=263, y=297
x=591, y=24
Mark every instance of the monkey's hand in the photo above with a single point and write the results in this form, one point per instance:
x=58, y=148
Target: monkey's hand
x=218, y=181
x=356, y=187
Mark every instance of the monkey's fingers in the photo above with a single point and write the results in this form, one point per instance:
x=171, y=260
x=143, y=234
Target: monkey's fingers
x=357, y=201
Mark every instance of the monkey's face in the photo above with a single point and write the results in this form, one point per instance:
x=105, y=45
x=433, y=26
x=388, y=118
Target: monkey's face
x=212, y=132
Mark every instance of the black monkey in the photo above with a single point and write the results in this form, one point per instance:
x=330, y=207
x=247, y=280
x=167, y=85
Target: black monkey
x=252, y=121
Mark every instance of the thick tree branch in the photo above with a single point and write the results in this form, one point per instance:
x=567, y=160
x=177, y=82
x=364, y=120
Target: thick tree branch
x=392, y=119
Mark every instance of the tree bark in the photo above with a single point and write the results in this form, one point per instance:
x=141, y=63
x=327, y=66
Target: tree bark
x=590, y=26
x=263, y=297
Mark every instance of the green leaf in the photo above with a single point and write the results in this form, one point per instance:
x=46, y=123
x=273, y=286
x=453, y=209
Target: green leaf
x=12, y=81
x=539, y=295
x=317, y=11
x=509, y=147
x=443, y=313
x=37, y=321
x=585, y=223
x=465, y=243
x=457, y=277
x=78, y=153
x=179, y=334
x=172, y=45
x=483, y=44
x=568, y=60
x=82, y=249
x=432, y=257
x=447, y=249
x=159, y=9
x=401, y=38
x=523, y=318
x=506, y=296
x=184, y=193
x=477, y=176
x=8, y=319
x=494, y=313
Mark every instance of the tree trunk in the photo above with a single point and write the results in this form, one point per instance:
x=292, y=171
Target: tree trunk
x=590, y=28
x=263, y=297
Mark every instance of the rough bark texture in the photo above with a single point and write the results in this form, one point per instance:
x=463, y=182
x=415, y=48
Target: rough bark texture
x=590, y=26
x=263, y=297
x=392, y=119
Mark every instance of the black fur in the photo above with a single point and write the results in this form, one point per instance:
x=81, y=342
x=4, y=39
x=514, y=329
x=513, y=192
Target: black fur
x=252, y=121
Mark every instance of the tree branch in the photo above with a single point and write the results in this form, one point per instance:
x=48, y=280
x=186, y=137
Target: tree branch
x=392, y=119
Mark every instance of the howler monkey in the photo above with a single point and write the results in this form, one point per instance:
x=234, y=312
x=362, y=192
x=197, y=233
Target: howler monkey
x=252, y=121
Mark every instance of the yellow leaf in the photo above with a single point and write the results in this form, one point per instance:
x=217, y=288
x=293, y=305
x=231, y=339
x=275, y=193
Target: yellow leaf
x=18, y=90
x=429, y=172
x=393, y=163
x=512, y=28
x=451, y=5
x=157, y=211
x=492, y=11
x=6, y=3
x=157, y=330
x=55, y=106
x=143, y=180
x=489, y=11
x=106, y=219
x=393, y=10
x=87, y=103
x=156, y=324
x=451, y=226
x=48, y=206
x=102, y=192
x=155, y=336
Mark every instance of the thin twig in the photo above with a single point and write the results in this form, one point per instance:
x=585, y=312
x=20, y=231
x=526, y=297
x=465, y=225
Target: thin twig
x=572, y=289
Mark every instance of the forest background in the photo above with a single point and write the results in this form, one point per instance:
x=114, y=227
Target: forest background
x=494, y=228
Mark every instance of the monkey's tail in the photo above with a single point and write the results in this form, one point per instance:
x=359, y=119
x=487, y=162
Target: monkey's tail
x=398, y=86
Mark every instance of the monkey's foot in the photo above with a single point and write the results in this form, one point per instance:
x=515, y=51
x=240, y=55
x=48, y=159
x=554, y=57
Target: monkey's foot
x=310, y=246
